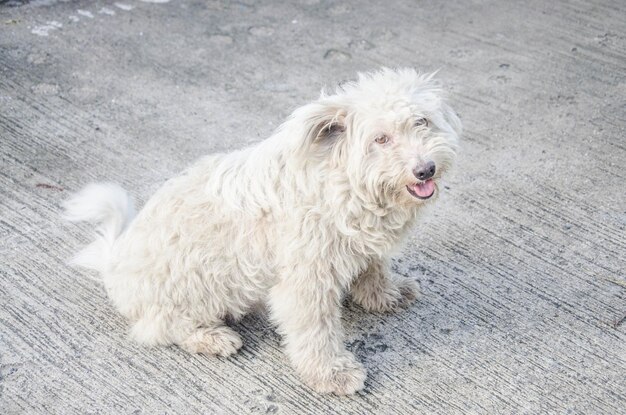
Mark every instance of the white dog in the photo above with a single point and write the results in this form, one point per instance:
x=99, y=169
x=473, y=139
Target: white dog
x=294, y=222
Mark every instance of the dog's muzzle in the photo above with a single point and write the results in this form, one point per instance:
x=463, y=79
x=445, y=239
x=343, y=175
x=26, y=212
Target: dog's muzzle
x=426, y=187
x=426, y=171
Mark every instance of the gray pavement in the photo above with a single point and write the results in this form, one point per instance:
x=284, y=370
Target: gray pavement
x=522, y=265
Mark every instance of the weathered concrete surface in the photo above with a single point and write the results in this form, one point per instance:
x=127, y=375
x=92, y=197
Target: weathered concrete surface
x=522, y=267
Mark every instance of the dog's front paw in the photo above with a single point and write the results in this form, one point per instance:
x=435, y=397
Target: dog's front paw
x=397, y=293
x=344, y=380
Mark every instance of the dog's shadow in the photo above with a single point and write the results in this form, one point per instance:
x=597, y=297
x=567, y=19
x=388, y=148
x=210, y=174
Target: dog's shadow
x=257, y=332
x=372, y=339
x=368, y=335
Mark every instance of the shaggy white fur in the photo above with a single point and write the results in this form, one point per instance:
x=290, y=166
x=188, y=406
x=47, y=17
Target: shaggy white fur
x=294, y=222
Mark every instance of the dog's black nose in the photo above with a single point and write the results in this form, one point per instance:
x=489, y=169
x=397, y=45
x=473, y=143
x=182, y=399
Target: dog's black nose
x=425, y=172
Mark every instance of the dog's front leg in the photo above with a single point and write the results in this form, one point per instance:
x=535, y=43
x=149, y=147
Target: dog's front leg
x=378, y=290
x=306, y=306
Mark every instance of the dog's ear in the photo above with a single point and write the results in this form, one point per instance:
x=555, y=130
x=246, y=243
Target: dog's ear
x=313, y=130
x=328, y=132
x=324, y=124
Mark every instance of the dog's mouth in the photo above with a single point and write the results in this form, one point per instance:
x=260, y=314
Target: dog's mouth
x=423, y=190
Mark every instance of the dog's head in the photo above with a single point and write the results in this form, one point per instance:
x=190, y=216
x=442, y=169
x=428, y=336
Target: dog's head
x=390, y=131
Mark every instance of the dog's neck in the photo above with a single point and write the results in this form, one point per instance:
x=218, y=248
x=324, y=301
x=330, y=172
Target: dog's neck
x=375, y=226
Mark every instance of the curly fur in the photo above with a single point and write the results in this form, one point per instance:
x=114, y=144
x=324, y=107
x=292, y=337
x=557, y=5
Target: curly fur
x=294, y=222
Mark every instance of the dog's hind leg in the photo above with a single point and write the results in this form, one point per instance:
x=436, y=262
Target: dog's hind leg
x=161, y=328
x=219, y=340
x=377, y=290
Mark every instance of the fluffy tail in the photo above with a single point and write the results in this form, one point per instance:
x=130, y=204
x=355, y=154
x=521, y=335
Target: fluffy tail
x=111, y=208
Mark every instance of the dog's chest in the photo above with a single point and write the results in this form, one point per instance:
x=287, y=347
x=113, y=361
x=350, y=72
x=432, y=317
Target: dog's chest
x=378, y=235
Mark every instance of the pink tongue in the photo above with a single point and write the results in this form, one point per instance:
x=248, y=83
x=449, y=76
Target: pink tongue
x=424, y=189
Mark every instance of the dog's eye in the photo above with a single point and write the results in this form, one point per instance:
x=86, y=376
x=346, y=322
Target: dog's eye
x=382, y=139
x=421, y=122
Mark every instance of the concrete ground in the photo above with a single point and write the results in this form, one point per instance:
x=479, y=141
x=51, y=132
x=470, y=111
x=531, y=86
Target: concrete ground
x=522, y=266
